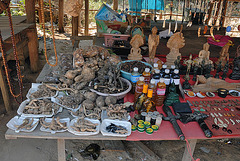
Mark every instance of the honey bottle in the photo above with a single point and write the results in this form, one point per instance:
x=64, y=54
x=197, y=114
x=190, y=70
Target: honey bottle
x=160, y=92
x=147, y=76
x=149, y=104
x=141, y=98
x=139, y=88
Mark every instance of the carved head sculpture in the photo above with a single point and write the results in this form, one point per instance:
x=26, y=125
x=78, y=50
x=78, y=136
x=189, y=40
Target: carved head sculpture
x=176, y=41
x=154, y=30
x=137, y=41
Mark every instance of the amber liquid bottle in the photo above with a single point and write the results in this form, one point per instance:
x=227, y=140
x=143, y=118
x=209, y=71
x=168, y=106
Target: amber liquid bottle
x=149, y=104
x=139, y=88
x=141, y=98
x=147, y=75
x=160, y=94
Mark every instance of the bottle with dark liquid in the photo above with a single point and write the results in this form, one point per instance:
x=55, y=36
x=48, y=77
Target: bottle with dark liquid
x=167, y=79
x=149, y=104
x=141, y=98
x=176, y=79
x=160, y=93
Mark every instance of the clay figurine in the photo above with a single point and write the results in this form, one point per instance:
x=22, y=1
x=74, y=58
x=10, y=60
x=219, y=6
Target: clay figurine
x=136, y=42
x=213, y=84
x=225, y=71
x=175, y=42
x=219, y=69
x=153, y=42
x=177, y=62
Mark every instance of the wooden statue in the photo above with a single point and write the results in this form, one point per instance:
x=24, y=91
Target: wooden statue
x=136, y=42
x=175, y=42
x=224, y=55
x=212, y=84
x=204, y=55
x=153, y=42
x=189, y=63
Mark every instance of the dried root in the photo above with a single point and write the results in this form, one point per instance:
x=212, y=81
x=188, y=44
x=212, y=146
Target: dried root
x=117, y=111
x=44, y=91
x=27, y=124
x=70, y=101
x=54, y=125
x=82, y=125
x=37, y=107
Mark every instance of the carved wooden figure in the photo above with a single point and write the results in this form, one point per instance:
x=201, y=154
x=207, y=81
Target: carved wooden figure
x=175, y=42
x=136, y=42
x=224, y=55
x=204, y=55
x=153, y=42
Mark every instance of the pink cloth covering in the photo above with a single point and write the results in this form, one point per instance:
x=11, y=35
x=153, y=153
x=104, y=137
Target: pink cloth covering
x=223, y=40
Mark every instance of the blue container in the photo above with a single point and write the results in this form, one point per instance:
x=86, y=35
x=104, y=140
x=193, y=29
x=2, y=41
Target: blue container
x=128, y=75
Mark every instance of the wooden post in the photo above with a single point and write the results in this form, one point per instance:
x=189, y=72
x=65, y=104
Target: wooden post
x=115, y=5
x=74, y=27
x=32, y=35
x=60, y=16
x=86, y=17
x=4, y=89
x=186, y=155
x=61, y=150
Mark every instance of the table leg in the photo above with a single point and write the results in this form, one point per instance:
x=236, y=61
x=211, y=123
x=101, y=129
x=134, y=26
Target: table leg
x=186, y=155
x=4, y=89
x=61, y=150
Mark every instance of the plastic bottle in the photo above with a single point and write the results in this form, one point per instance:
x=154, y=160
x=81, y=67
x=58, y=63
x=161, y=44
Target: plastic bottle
x=153, y=87
x=176, y=79
x=155, y=66
x=147, y=76
x=139, y=88
x=134, y=78
x=172, y=69
x=160, y=92
x=156, y=76
x=163, y=70
x=141, y=98
x=166, y=77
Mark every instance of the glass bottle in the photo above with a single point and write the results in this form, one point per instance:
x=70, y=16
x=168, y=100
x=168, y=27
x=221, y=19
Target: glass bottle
x=134, y=78
x=160, y=92
x=155, y=67
x=176, y=79
x=149, y=104
x=172, y=69
x=167, y=79
x=156, y=76
x=139, y=88
x=147, y=76
x=152, y=86
x=163, y=70
x=141, y=98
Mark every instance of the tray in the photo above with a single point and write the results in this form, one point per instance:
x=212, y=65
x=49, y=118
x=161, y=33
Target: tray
x=18, y=121
x=55, y=100
x=34, y=88
x=51, y=131
x=107, y=122
x=71, y=130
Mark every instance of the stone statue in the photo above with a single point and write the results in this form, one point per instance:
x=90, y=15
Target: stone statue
x=186, y=84
x=219, y=69
x=235, y=75
x=153, y=42
x=172, y=96
x=195, y=70
x=175, y=43
x=204, y=55
x=225, y=70
x=212, y=84
x=189, y=63
x=136, y=42
x=207, y=70
x=177, y=62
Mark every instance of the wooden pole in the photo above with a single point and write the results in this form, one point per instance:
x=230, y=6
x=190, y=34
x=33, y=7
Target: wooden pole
x=60, y=16
x=32, y=35
x=61, y=150
x=115, y=5
x=74, y=27
x=86, y=17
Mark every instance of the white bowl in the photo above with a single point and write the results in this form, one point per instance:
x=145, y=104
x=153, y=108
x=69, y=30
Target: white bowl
x=118, y=95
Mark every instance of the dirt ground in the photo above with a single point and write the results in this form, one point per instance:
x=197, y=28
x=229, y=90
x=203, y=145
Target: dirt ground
x=46, y=150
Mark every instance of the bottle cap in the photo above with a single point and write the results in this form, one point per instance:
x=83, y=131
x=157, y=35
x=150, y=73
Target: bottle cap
x=164, y=66
x=147, y=70
x=176, y=71
x=150, y=92
x=152, y=81
x=145, y=88
x=155, y=65
x=172, y=66
x=167, y=71
x=135, y=69
x=141, y=78
x=157, y=71
x=162, y=80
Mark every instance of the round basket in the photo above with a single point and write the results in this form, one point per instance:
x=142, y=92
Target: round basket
x=126, y=74
x=118, y=95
